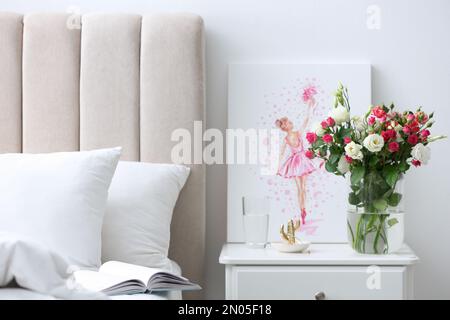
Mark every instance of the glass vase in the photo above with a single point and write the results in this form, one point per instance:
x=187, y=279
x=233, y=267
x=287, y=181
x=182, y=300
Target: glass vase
x=375, y=217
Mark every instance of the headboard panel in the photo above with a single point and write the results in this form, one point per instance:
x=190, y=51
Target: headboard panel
x=11, y=29
x=50, y=86
x=121, y=80
x=110, y=49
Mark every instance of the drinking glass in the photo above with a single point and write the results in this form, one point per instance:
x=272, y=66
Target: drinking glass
x=256, y=220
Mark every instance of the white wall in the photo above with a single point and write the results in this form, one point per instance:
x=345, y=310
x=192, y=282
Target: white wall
x=410, y=55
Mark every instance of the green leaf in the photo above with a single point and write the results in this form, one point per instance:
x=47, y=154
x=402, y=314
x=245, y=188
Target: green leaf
x=334, y=158
x=354, y=188
x=353, y=199
x=403, y=166
x=373, y=187
x=373, y=161
x=388, y=193
x=394, y=199
x=392, y=222
x=390, y=175
x=323, y=152
x=318, y=143
x=345, y=132
x=357, y=175
x=380, y=204
x=330, y=167
x=369, y=208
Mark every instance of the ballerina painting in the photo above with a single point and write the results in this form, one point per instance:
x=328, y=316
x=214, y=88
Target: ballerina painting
x=285, y=101
x=297, y=166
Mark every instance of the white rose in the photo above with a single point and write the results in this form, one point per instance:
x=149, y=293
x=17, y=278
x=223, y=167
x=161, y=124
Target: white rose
x=317, y=128
x=340, y=114
x=359, y=124
x=360, y=127
x=421, y=153
x=353, y=150
x=374, y=142
x=343, y=166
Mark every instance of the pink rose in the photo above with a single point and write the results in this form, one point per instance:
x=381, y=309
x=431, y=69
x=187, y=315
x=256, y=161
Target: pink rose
x=425, y=133
x=385, y=135
x=393, y=146
x=393, y=133
x=348, y=159
x=416, y=163
x=309, y=154
x=410, y=117
x=330, y=122
x=347, y=140
x=324, y=124
x=414, y=126
x=379, y=112
x=406, y=130
x=371, y=121
x=413, y=139
x=388, y=135
x=311, y=137
x=328, y=138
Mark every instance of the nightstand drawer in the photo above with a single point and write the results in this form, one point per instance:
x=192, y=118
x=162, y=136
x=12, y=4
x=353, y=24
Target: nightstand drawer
x=305, y=282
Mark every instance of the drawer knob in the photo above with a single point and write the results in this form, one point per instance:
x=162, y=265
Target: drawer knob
x=320, y=295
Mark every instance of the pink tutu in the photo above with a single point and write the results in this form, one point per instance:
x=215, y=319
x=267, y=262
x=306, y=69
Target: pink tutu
x=297, y=164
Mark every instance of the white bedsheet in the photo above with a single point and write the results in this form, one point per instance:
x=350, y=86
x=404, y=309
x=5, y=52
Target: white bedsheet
x=24, y=294
x=42, y=274
x=33, y=266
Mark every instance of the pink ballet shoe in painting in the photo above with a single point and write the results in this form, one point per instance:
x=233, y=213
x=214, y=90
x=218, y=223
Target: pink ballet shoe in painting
x=303, y=214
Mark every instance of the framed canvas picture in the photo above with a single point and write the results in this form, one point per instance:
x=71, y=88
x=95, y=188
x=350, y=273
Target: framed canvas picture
x=279, y=103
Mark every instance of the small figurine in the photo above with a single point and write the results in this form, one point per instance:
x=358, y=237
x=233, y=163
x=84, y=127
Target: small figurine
x=290, y=244
x=289, y=236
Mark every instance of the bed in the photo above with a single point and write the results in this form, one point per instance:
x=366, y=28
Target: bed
x=72, y=82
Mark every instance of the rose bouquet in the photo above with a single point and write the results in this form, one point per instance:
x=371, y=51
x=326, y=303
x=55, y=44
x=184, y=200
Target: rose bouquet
x=376, y=149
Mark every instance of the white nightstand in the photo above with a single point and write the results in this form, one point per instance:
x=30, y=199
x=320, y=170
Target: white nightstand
x=329, y=271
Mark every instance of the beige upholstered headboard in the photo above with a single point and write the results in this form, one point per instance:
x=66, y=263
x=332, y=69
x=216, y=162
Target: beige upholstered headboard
x=120, y=79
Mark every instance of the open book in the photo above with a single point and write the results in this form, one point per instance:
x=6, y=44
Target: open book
x=114, y=278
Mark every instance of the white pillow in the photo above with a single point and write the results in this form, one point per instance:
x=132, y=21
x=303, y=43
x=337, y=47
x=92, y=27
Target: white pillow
x=58, y=199
x=136, y=227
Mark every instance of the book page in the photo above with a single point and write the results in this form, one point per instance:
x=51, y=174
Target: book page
x=96, y=281
x=128, y=271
